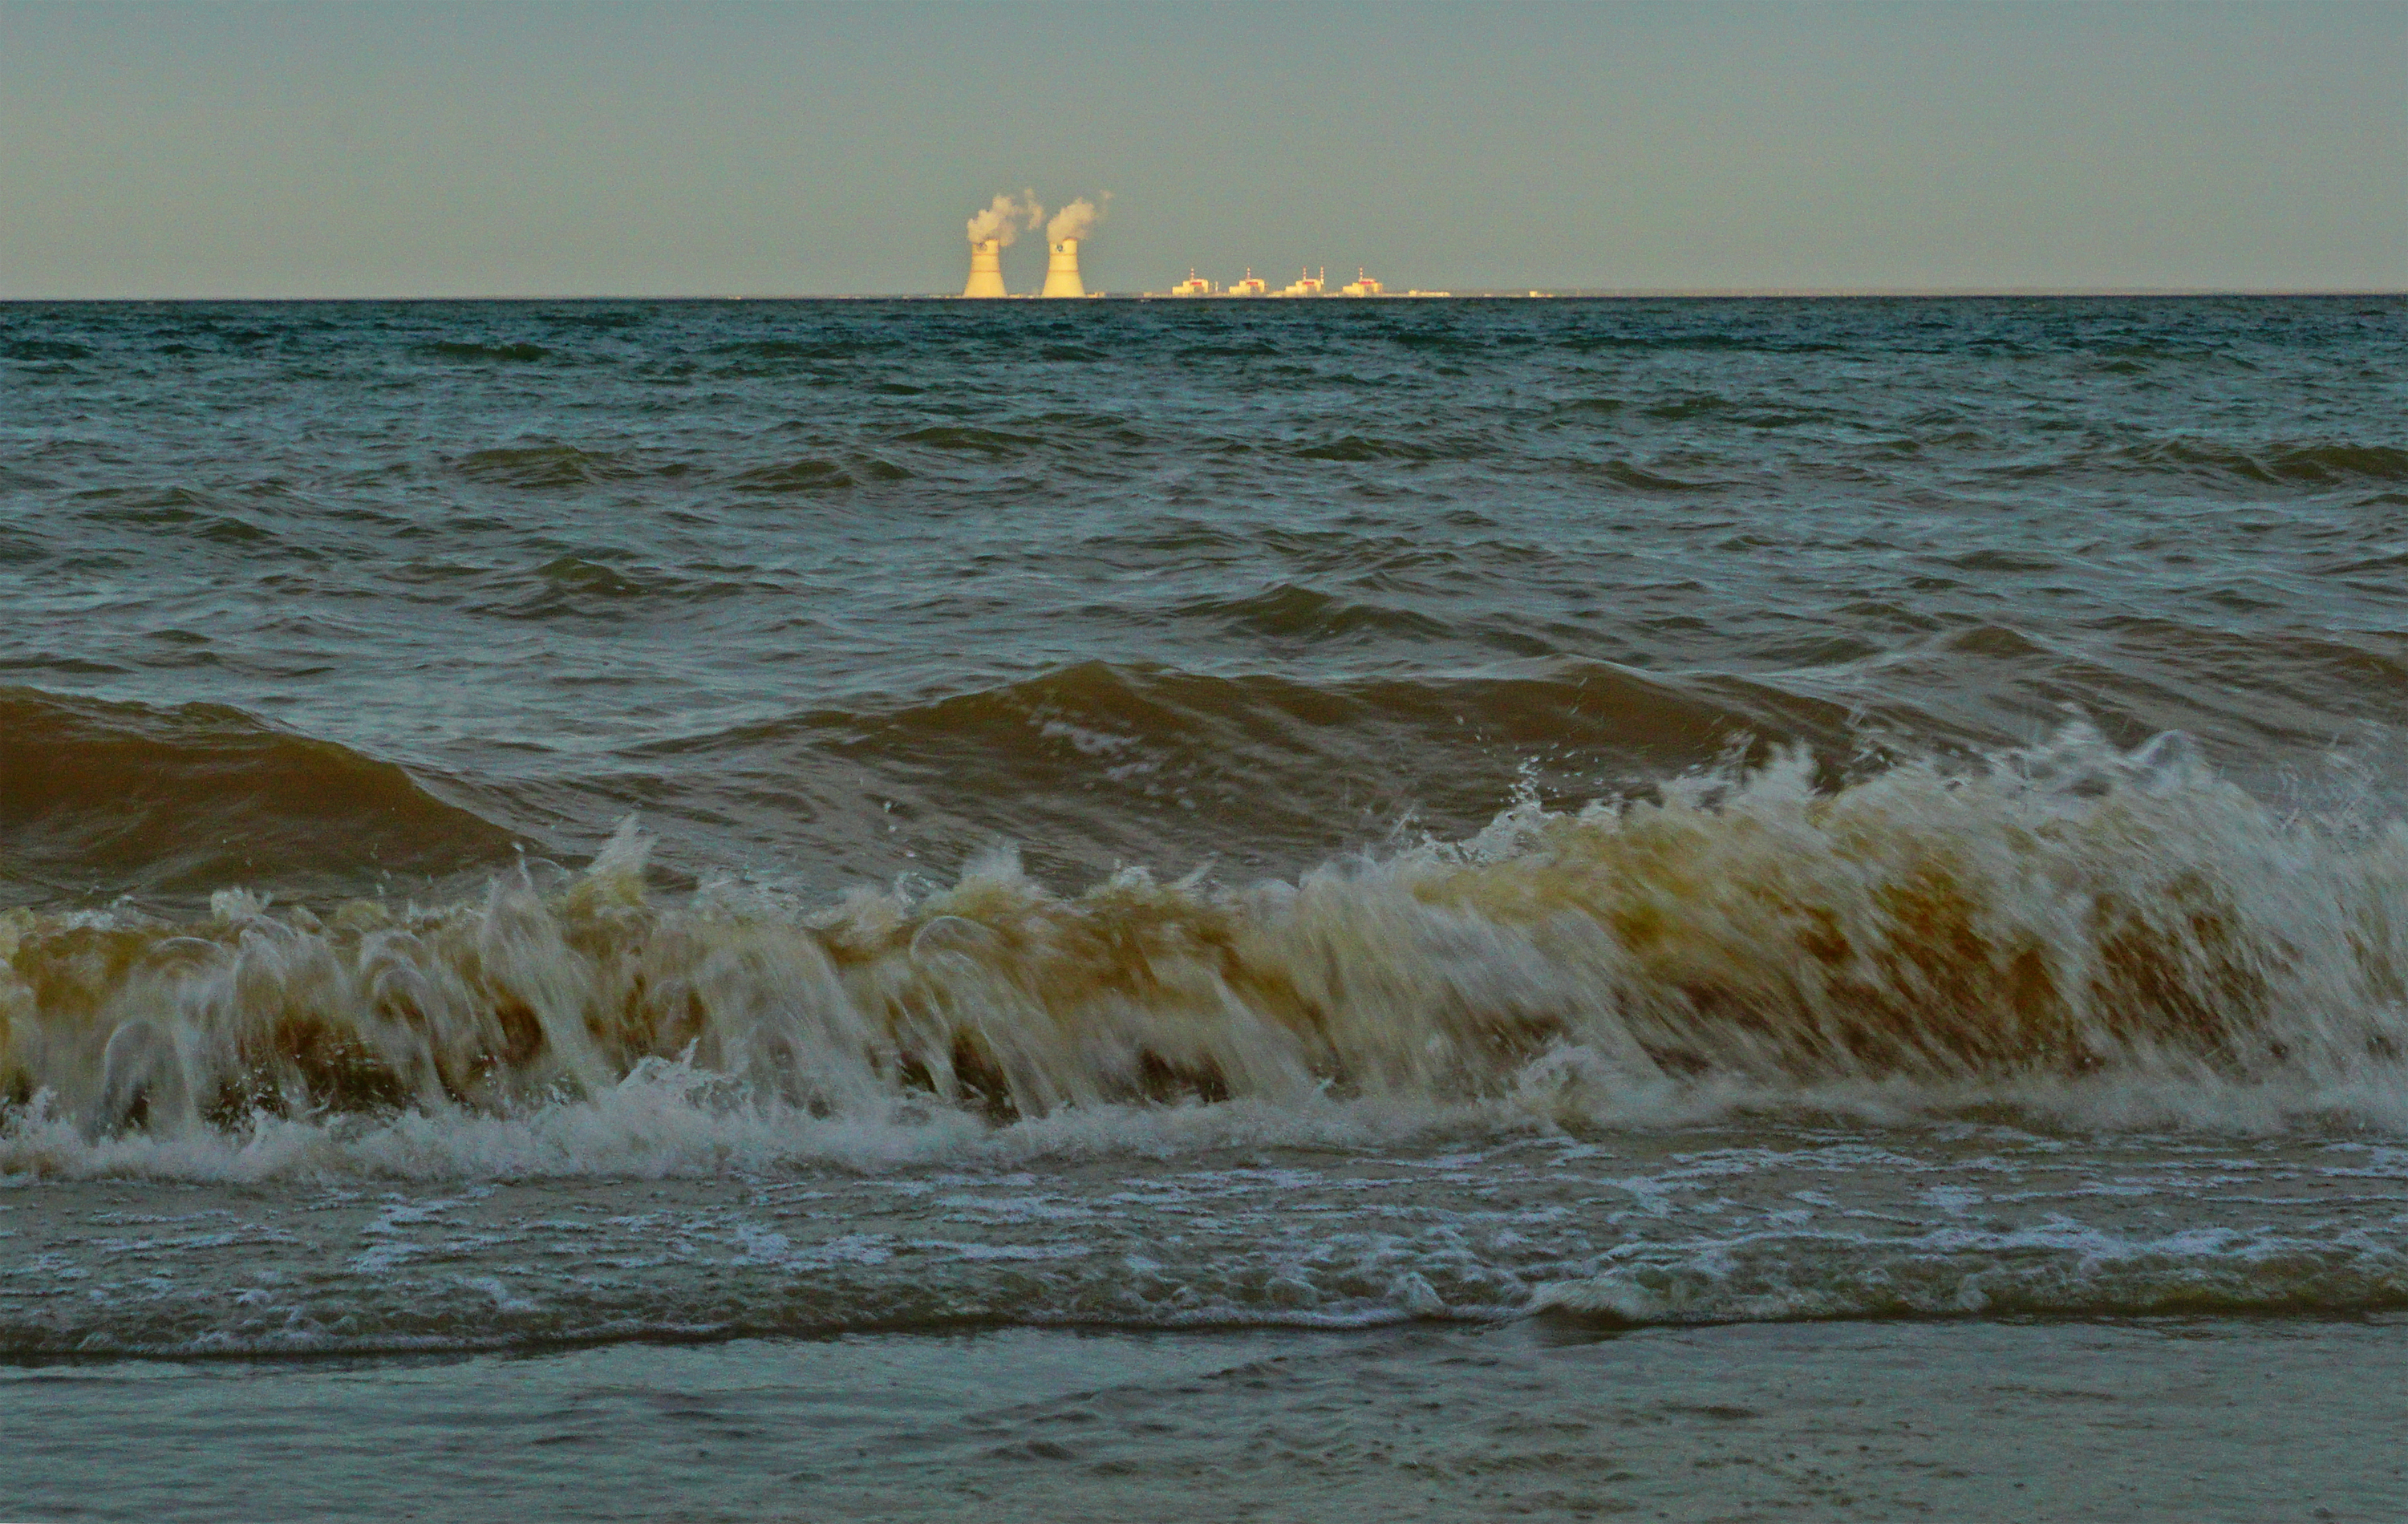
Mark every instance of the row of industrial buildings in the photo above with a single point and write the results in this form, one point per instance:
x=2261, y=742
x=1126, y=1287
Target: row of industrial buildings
x=1062, y=278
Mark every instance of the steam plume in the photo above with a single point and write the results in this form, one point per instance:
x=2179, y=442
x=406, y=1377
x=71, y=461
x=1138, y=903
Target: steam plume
x=1077, y=219
x=1003, y=219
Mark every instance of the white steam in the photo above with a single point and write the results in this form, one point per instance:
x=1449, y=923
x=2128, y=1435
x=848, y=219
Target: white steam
x=1004, y=217
x=1077, y=219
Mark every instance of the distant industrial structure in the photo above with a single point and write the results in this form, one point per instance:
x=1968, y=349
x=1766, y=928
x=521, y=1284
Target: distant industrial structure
x=993, y=229
x=986, y=269
x=1062, y=270
x=1306, y=284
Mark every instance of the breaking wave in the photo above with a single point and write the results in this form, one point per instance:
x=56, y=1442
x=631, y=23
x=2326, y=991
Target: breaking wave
x=2095, y=937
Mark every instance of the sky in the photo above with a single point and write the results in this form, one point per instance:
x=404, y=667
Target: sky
x=402, y=149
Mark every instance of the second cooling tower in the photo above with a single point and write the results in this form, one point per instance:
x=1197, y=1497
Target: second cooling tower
x=1062, y=270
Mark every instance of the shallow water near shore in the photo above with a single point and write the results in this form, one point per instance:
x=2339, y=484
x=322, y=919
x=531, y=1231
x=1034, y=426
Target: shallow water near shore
x=1672, y=1227
x=2162, y=1419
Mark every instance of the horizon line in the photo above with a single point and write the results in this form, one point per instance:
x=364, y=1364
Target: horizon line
x=1483, y=292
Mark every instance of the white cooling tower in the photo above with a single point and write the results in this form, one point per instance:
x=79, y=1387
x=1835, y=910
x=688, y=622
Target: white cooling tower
x=1062, y=270
x=986, y=270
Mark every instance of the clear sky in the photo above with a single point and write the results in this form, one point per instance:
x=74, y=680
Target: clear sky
x=408, y=149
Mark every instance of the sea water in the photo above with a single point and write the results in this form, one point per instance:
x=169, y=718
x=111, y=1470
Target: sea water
x=871, y=909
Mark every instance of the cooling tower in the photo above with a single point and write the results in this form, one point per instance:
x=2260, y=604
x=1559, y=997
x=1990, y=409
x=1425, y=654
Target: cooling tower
x=1062, y=270
x=986, y=270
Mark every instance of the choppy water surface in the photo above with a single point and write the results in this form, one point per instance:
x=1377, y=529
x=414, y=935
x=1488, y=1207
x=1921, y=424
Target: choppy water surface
x=587, y=821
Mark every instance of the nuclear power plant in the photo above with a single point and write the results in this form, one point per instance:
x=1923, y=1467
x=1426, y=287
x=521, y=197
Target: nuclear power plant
x=992, y=230
x=1062, y=270
x=995, y=229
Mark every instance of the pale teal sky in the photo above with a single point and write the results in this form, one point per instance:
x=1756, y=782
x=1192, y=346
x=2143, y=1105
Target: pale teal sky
x=405, y=149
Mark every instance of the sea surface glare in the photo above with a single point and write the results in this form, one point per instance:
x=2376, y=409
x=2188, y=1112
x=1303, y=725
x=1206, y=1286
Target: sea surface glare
x=1392, y=909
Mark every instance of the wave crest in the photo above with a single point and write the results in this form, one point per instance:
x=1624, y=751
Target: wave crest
x=2071, y=930
x=128, y=797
